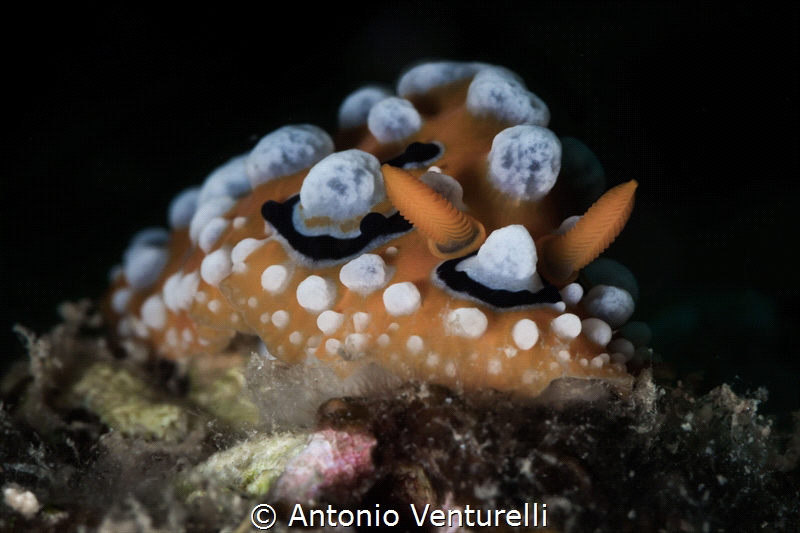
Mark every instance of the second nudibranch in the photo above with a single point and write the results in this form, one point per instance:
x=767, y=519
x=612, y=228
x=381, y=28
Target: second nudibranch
x=435, y=242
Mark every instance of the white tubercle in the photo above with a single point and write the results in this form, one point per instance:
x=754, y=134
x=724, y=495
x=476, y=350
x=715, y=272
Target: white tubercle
x=572, y=294
x=500, y=93
x=145, y=257
x=355, y=108
x=426, y=76
x=507, y=261
x=316, y=294
x=341, y=187
x=525, y=161
x=623, y=346
x=525, y=334
x=566, y=326
x=415, y=344
x=153, y=236
x=402, y=298
x=361, y=321
x=567, y=224
x=364, y=274
x=469, y=322
x=275, y=278
x=172, y=292
x=120, y=300
x=393, y=119
x=287, y=150
x=182, y=208
x=212, y=232
x=188, y=289
x=216, y=266
x=280, y=319
x=596, y=330
x=611, y=304
x=211, y=209
x=229, y=179
x=143, y=265
x=154, y=314
x=329, y=321
x=244, y=248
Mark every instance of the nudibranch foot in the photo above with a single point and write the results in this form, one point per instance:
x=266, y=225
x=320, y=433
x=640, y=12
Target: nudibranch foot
x=429, y=242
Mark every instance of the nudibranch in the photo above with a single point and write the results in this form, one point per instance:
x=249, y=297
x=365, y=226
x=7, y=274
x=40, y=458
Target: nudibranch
x=433, y=237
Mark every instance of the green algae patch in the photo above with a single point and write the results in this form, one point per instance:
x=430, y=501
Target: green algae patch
x=250, y=467
x=125, y=403
x=225, y=398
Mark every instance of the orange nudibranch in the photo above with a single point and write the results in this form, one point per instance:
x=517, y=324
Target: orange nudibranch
x=433, y=239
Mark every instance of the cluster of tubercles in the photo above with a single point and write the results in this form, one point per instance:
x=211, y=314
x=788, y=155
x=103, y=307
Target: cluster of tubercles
x=428, y=242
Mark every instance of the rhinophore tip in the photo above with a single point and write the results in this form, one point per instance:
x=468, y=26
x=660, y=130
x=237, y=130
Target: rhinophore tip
x=450, y=232
x=562, y=256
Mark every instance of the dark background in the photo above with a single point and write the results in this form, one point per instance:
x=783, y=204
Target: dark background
x=114, y=110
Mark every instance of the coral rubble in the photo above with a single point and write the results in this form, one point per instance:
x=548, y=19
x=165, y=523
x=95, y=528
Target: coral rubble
x=659, y=459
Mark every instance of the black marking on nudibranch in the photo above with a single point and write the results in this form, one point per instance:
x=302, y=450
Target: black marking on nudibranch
x=373, y=226
x=459, y=281
x=417, y=154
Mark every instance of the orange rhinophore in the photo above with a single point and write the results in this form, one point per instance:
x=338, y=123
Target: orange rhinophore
x=566, y=254
x=451, y=233
x=430, y=239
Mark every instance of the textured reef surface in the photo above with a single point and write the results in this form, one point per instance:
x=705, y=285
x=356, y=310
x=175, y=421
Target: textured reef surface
x=94, y=442
x=411, y=312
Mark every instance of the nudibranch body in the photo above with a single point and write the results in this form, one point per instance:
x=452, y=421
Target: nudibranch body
x=431, y=238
